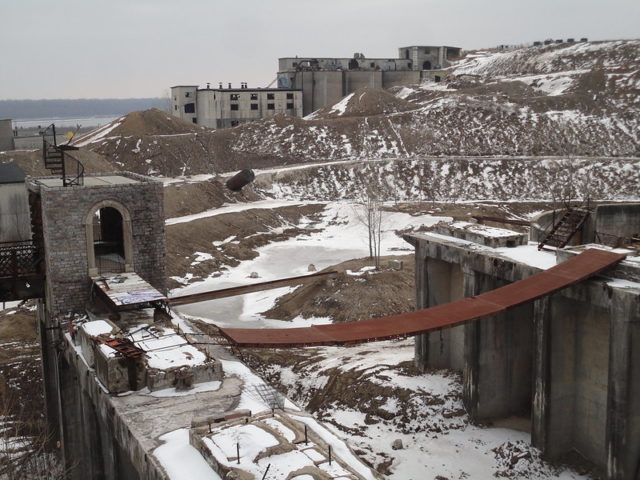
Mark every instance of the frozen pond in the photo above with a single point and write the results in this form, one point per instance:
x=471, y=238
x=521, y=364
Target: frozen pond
x=279, y=260
x=343, y=238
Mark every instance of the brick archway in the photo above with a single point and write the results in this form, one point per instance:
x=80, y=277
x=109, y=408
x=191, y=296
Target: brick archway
x=127, y=237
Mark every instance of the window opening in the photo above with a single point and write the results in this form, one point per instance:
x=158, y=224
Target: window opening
x=108, y=241
x=189, y=108
x=234, y=96
x=289, y=106
x=234, y=106
x=289, y=96
x=254, y=106
x=270, y=96
x=426, y=65
x=271, y=106
x=254, y=96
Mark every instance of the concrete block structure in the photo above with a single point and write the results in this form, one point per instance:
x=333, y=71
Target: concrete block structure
x=306, y=84
x=567, y=361
x=229, y=107
x=324, y=81
x=113, y=221
x=429, y=57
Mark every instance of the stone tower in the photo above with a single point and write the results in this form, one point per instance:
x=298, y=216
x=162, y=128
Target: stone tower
x=112, y=223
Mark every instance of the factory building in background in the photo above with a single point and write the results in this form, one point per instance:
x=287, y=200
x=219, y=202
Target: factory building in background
x=306, y=84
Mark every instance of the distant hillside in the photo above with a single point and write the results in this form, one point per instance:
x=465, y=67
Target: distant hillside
x=559, y=101
x=81, y=107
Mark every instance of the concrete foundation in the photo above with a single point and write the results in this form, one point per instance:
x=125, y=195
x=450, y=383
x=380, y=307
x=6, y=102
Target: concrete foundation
x=109, y=437
x=566, y=360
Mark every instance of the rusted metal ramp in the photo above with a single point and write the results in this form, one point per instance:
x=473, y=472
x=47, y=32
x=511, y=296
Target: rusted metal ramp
x=574, y=270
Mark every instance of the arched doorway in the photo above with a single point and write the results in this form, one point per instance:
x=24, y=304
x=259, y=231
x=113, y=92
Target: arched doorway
x=108, y=239
x=108, y=244
x=426, y=65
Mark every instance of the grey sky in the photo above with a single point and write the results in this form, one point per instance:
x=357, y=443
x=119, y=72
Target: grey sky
x=139, y=48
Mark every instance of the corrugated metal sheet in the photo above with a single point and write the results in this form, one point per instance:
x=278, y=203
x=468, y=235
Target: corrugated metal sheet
x=574, y=270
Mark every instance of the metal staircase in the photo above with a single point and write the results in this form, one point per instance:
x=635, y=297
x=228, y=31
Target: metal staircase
x=565, y=228
x=70, y=169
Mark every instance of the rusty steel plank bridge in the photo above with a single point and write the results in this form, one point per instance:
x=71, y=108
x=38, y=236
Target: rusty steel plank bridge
x=579, y=268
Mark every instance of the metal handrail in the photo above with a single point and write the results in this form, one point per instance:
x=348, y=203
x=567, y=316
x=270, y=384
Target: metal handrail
x=77, y=177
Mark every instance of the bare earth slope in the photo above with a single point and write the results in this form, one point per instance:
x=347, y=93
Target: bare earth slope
x=570, y=100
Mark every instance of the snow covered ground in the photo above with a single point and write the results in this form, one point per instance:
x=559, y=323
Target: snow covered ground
x=437, y=438
x=424, y=411
x=343, y=237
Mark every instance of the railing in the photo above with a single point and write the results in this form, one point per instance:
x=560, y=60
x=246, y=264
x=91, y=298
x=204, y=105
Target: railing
x=76, y=175
x=17, y=258
x=55, y=159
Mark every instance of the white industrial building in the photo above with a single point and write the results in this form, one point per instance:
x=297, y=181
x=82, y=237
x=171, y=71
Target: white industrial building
x=324, y=81
x=229, y=107
x=306, y=84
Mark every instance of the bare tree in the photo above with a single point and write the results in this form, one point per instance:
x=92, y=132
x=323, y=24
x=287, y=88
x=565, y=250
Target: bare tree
x=24, y=438
x=371, y=217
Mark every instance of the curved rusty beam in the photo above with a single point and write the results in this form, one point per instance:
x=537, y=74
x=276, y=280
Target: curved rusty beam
x=574, y=270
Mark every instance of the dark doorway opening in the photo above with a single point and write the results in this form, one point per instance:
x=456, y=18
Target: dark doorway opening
x=426, y=65
x=108, y=241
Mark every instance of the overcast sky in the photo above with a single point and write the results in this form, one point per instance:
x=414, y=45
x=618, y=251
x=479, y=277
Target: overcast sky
x=139, y=48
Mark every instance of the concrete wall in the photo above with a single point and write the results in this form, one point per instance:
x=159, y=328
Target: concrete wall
x=441, y=282
x=357, y=80
x=579, y=365
x=64, y=213
x=606, y=224
x=181, y=96
x=569, y=358
x=621, y=220
x=294, y=64
x=97, y=441
x=15, y=219
x=498, y=359
x=6, y=135
x=400, y=78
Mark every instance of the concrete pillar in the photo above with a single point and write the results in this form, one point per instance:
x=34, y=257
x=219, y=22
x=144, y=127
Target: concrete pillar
x=541, y=373
x=498, y=358
x=470, y=372
x=438, y=282
x=51, y=387
x=623, y=419
x=421, y=280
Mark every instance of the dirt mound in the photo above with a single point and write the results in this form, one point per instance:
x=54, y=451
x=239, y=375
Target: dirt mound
x=357, y=293
x=32, y=164
x=138, y=124
x=154, y=122
x=364, y=102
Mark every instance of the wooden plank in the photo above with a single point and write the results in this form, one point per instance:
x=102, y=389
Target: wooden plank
x=256, y=287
